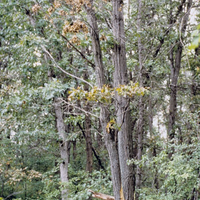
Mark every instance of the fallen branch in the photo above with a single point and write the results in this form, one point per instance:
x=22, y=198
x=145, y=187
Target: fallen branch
x=101, y=196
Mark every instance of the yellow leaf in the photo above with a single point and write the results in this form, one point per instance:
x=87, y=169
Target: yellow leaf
x=112, y=121
x=108, y=127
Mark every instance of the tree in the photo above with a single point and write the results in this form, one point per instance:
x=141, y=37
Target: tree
x=74, y=73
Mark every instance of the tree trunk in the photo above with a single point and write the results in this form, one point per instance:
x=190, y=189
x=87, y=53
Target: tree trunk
x=175, y=68
x=173, y=91
x=88, y=140
x=63, y=144
x=140, y=124
x=104, y=115
x=125, y=140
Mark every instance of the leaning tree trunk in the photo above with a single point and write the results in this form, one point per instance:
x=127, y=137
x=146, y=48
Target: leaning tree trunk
x=125, y=140
x=104, y=114
x=63, y=144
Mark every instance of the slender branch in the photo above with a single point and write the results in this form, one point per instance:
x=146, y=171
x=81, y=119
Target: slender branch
x=95, y=153
x=182, y=28
x=83, y=56
x=69, y=74
x=86, y=112
x=14, y=193
x=173, y=22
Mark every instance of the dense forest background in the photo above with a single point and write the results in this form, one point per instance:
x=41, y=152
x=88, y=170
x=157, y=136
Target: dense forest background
x=99, y=96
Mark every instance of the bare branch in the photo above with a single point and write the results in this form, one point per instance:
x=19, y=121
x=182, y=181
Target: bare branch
x=83, y=56
x=183, y=25
x=55, y=63
x=86, y=112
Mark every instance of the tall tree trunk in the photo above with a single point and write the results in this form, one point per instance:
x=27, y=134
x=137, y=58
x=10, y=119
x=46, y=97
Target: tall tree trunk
x=63, y=144
x=125, y=140
x=173, y=91
x=140, y=123
x=104, y=114
x=175, y=69
x=88, y=140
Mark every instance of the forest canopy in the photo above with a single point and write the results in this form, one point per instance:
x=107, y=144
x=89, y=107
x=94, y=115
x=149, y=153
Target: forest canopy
x=99, y=99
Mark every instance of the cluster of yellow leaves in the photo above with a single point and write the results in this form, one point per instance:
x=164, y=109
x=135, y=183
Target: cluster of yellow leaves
x=74, y=27
x=63, y=13
x=56, y=4
x=131, y=90
x=103, y=95
x=51, y=10
x=36, y=8
x=110, y=125
x=77, y=4
x=74, y=40
x=106, y=93
x=14, y=175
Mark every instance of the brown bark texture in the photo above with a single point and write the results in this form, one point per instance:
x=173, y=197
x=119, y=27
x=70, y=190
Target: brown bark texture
x=88, y=138
x=140, y=124
x=104, y=114
x=175, y=59
x=120, y=143
x=125, y=140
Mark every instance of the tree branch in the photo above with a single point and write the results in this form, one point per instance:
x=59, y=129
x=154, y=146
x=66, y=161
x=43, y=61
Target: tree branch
x=82, y=55
x=95, y=153
x=55, y=63
x=86, y=112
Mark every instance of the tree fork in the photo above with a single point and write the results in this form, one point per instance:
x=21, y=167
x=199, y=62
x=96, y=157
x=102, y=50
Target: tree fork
x=104, y=115
x=125, y=140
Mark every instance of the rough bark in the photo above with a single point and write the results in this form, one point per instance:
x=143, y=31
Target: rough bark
x=175, y=69
x=88, y=141
x=88, y=138
x=63, y=144
x=125, y=140
x=104, y=114
x=140, y=123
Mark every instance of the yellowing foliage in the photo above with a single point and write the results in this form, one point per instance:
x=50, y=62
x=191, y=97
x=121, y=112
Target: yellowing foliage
x=36, y=8
x=74, y=27
x=106, y=93
x=110, y=125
